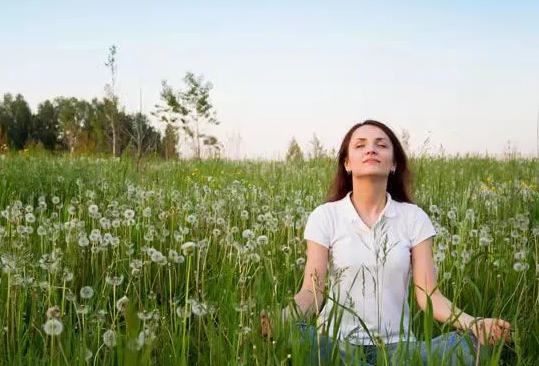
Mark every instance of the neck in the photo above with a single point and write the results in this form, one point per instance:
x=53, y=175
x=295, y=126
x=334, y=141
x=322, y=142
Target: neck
x=369, y=197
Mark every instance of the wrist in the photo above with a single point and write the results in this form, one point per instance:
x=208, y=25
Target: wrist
x=473, y=323
x=463, y=322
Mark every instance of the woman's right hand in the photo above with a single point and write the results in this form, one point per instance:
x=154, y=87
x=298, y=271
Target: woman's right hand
x=266, y=328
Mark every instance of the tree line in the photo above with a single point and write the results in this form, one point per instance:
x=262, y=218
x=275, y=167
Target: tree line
x=101, y=126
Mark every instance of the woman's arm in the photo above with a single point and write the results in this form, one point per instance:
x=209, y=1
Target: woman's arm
x=310, y=297
x=487, y=331
x=425, y=285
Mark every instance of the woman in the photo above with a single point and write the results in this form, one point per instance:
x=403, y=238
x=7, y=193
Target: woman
x=371, y=235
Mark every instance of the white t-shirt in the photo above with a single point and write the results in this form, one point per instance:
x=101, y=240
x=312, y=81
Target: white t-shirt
x=368, y=269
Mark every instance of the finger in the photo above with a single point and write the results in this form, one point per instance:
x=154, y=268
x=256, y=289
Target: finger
x=262, y=313
x=503, y=323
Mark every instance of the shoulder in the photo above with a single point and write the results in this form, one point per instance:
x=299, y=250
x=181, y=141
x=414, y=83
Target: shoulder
x=417, y=222
x=327, y=211
x=411, y=212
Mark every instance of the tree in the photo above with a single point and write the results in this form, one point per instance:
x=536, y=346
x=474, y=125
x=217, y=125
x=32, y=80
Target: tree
x=317, y=150
x=15, y=120
x=170, y=142
x=112, y=106
x=45, y=125
x=73, y=117
x=294, y=152
x=192, y=109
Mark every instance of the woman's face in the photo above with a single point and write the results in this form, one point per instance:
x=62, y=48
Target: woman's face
x=370, y=152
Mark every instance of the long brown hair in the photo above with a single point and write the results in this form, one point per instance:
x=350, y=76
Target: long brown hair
x=398, y=184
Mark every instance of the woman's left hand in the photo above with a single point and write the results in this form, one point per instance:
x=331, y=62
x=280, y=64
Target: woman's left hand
x=491, y=330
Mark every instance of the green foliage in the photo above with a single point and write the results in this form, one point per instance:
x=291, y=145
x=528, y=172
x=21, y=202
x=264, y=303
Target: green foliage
x=203, y=246
x=294, y=152
x=189, y=110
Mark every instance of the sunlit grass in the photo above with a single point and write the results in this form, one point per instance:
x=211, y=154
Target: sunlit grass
x=172, y=266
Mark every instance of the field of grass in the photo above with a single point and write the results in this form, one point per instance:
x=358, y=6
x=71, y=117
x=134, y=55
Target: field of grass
x=101, y=265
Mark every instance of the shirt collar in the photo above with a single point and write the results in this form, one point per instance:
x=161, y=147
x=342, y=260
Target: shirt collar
x=351, y=213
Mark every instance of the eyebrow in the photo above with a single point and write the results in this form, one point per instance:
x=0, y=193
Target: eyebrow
x=376, y=139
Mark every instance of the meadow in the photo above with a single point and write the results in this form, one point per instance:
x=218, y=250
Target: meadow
x=103, y=265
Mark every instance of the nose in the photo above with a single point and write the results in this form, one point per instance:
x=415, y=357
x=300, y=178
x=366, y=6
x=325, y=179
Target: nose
x=371, y=150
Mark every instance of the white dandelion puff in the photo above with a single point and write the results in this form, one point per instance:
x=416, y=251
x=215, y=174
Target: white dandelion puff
x=188, y=248
x=30, y=218
x=262, y=240
x=109, y=338
x=191, y=219
x=86, y=292
x=248, y=234
x=53, y=327
x=93, y=209
x=519, y=267
x=114, y=280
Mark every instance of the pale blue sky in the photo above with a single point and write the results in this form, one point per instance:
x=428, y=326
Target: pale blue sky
x=467, y=71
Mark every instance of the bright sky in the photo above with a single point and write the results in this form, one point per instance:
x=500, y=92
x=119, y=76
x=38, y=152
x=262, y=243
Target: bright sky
x=465, y=72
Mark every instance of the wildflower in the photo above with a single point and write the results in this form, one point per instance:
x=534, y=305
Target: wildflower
x=68, y=276
x=520, y=255
x=191, y=219
x=245, y=330
x=114, y=281
x=248, y=234
x=262, y=240
x=188, y=248
x=147, y=212
x=53, y=312
x=121, y=304
x=86, y=292
x=55, y=200
x=519, y=267
x=53, y=327
x=82, y=309
x=93, y=209
x=41, y=231
x=254, y=257
x=109, y=338
x=88, y=355
x=198, y=308
x=30, y=218
x=83, y=241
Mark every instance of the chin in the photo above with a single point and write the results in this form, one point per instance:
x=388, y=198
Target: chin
x=374, y=173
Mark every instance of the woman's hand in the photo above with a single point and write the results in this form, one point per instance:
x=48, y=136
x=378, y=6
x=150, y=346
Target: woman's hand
x=491, y=330
x=266, y=328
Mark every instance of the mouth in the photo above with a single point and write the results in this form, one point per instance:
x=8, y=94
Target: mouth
x=371, y=161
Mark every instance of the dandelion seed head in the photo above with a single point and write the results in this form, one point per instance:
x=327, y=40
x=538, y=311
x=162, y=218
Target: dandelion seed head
x=53, y=312
x=86, y=292
x=93, y=209
x=53, y=327
x=109, y=338
x=114, y=280
x=519, y=267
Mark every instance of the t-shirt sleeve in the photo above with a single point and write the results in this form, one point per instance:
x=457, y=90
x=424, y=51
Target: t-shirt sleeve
x=421, y=228
x=317, y=227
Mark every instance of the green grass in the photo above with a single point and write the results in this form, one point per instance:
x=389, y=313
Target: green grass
x=199, y=305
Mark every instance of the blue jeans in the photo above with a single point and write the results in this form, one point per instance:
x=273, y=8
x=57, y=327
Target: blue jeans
x=451, y=349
